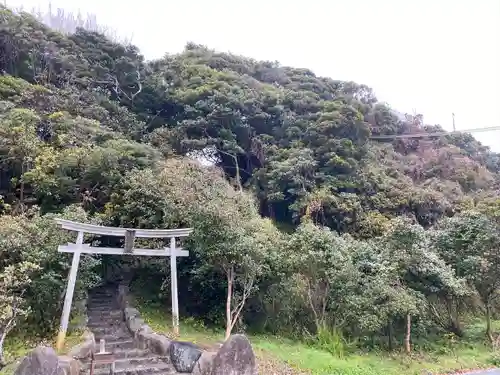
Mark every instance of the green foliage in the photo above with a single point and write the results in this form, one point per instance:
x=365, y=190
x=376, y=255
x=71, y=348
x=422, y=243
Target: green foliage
x=28, y=242
x=331, y=341
x=229, y=240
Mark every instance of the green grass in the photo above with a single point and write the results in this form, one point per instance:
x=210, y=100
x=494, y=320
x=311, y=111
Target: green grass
x=308, y=359
x=282, y=356
x=17, y=346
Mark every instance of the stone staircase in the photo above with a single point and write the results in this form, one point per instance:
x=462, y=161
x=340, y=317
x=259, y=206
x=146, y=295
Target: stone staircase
x=106, y=321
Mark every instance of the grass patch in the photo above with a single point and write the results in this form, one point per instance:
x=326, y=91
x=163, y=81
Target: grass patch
x=18, y=346
x=72, y=339
x=281, y=356
x=190, y=330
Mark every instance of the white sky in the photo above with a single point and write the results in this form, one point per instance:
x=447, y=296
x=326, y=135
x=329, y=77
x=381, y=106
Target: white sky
x=437, y=56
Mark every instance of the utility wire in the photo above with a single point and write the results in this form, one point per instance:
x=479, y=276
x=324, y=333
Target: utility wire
x=437, y=134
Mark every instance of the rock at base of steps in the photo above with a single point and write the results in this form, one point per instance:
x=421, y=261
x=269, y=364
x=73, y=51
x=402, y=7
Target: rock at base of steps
x=184, y=356
x=69, y=365
x=235, y=357
x=41, y=361
x=204, y=364
x=84, y=349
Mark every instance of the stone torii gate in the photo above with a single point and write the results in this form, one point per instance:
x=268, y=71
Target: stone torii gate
x=79, y=248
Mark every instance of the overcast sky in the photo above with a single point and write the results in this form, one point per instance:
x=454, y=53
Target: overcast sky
x=437, y=56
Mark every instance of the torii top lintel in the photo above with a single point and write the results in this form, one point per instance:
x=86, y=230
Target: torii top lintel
x=121, y=232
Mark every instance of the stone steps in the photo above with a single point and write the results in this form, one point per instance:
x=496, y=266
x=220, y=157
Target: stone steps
x=117, y=314
x=125, y=363
x=105, y=309
x=106, y=329
x=93, y=304
x=131, y=353
x=117, y=336
x=104, y=317
x=95, y=325
x=103, y=327
x=126, y=344
x=97, y=305
x=106, y=321
x=101, y=298
x=157, y=369
x=101, y=301
x=104, y=293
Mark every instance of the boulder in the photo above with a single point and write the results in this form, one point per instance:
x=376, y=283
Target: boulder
x=69, y=366
x=142, y=336
x=146, y=339
x=204, y=364
x=84, y=349
x=184, y=356
x=135, y=323
x=122, y=297
x=41, y=361
x=158, y=344
x=235, y=357
x=144, y=330
x=130, y=312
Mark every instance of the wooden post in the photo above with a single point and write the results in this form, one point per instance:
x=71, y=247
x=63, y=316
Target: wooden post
x=174, y=291
x=69, y=293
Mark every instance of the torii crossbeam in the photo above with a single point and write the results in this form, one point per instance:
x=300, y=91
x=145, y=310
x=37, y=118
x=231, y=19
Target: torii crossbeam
x=79, y=248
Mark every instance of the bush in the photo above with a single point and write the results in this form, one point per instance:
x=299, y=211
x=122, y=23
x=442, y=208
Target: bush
x=34, y=238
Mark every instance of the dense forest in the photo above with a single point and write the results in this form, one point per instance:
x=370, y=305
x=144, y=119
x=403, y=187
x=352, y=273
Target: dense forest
x=304, y=226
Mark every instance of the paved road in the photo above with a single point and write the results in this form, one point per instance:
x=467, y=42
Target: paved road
x=485, y=372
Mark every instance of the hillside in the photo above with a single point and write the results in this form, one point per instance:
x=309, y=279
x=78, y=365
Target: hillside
x=90, y=130
x=295, y=139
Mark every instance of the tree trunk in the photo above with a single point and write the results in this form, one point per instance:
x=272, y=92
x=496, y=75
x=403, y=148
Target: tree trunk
x=489, y=333
x=230, y=281
x=21, y=193
x=3, y=335
x=390, y=331
x=454, y=314
x=238, y=177
x=408, y=334
x=2, y=358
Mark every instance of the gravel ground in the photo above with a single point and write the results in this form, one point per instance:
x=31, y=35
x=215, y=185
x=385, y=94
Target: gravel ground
x=268, y=366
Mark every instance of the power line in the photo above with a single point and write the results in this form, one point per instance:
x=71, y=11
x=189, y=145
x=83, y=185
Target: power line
x=437, y=134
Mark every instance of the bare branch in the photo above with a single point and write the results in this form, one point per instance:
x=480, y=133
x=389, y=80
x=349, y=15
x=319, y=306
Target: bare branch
x=120, y=93
x=8, y=327
x=247, y=289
